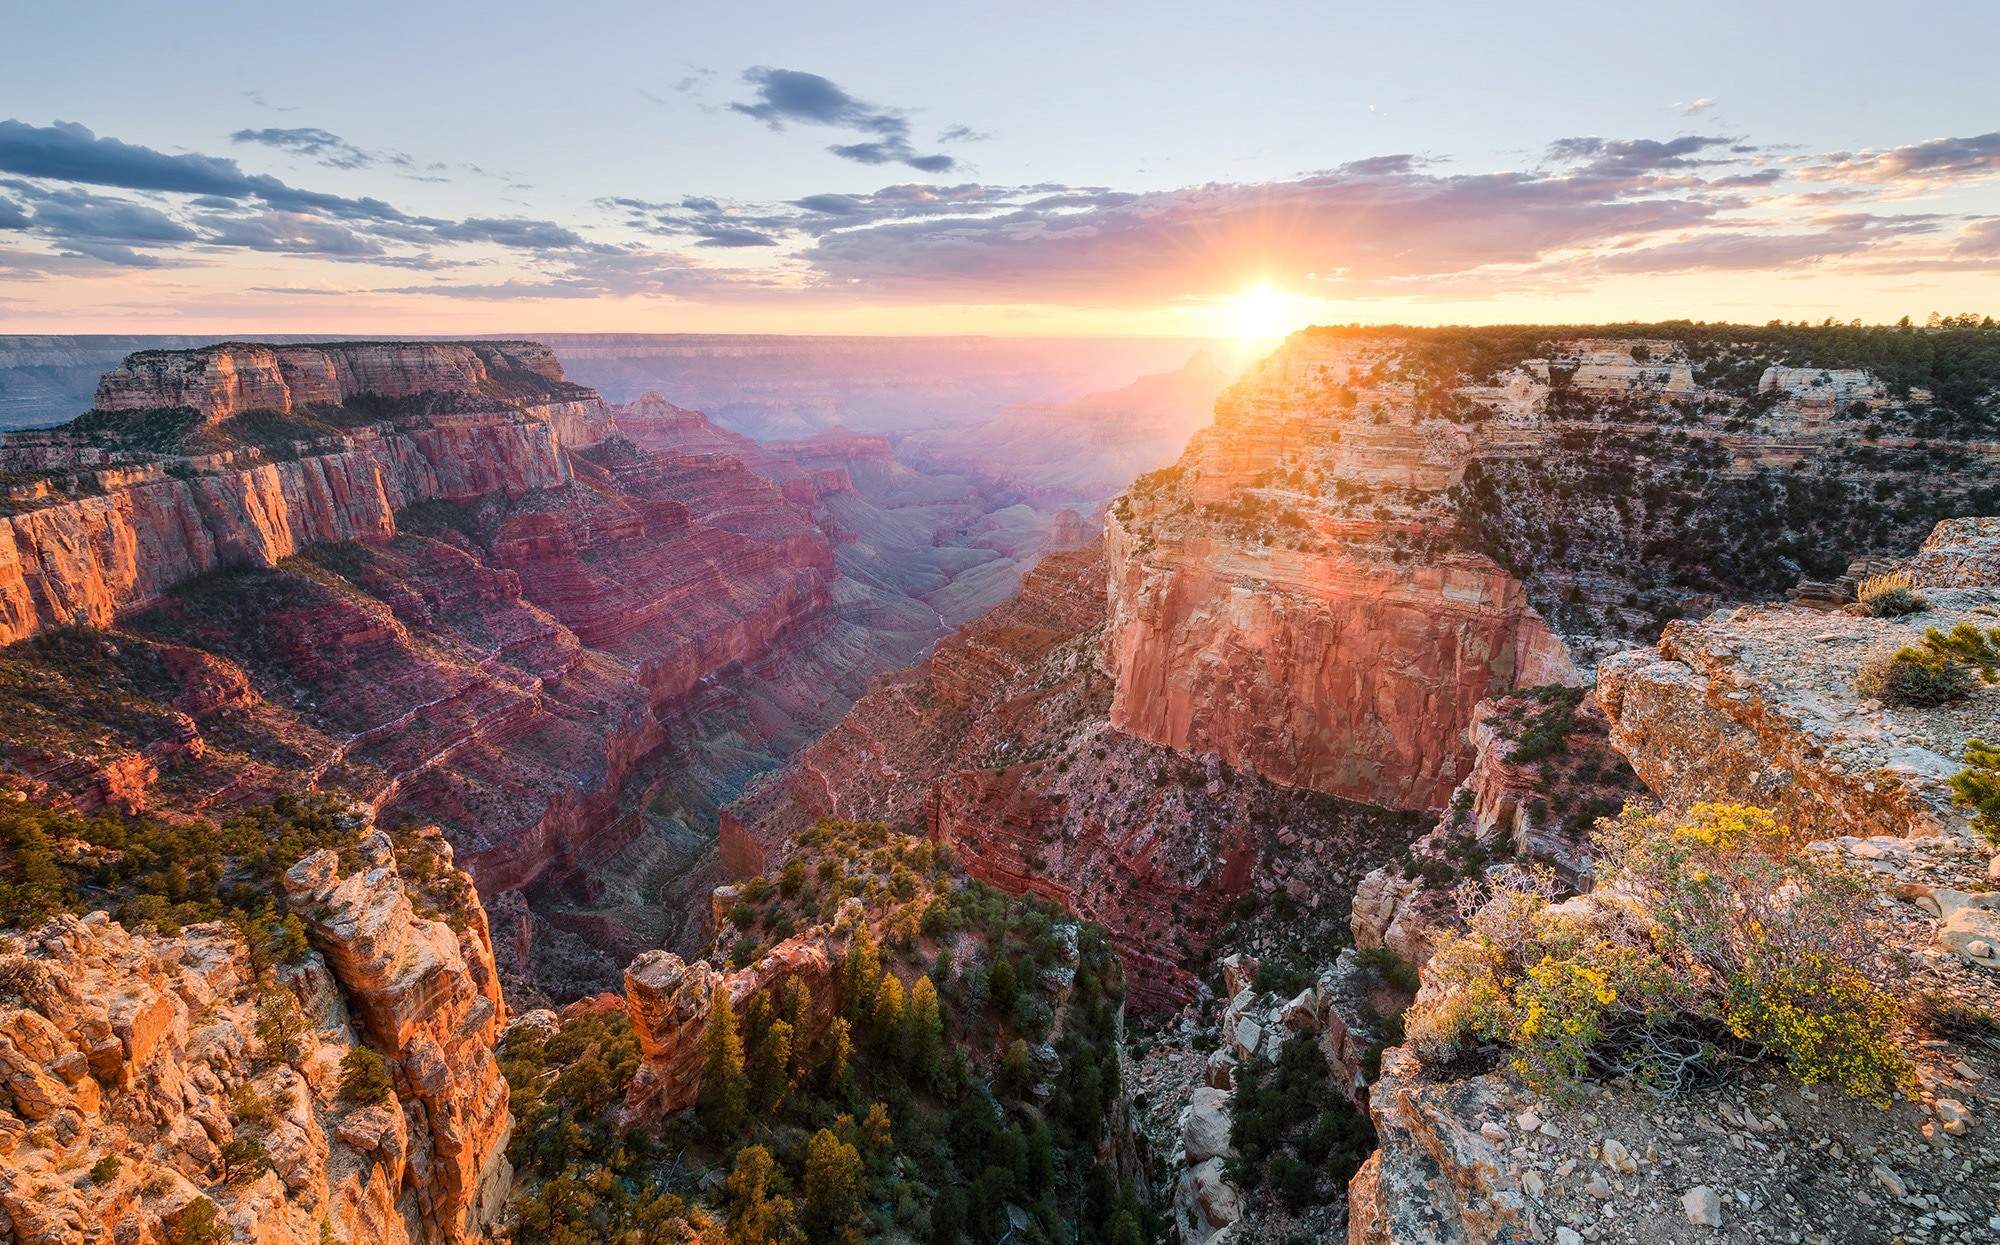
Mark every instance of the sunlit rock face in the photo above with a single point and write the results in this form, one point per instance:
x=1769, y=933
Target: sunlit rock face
x=429, y=999
x=268, y=450
x=1342, y=652
x=143, y=1048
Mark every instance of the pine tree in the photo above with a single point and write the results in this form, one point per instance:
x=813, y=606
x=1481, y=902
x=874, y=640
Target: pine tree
x=926, y=1031
x=834, y=1050
x=832, y=1186
x=859, y=977
x=755, y=1218
x=887, y=1025
x=720, y=1100
x=799, y=1014
x=770, y=1066
x=875, y=1130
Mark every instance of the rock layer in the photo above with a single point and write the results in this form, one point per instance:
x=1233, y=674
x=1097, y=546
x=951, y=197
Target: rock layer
x=1348, y=675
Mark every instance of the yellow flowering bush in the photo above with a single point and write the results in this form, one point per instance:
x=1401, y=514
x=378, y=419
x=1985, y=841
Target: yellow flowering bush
x=1715, y=940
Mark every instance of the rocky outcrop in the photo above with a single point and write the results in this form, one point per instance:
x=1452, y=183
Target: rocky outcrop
x=233, y=378
x=1437, y=1178
x=1959, y=553
x=1348, y=675
x=1255, y=614
x=428, y=998
x=1758, y=706
x=141, y=1059
x=669, y=999
x=504, y=414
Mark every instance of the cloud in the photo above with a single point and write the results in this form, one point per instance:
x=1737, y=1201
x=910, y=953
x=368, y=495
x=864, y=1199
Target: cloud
x=528, y=235
x=1616, y=158
x=323, y=146
x=1979, y=239
x=1940, y=160
x=1700, y=105
x=787, y=96
x=78, y=214
x=290, y=232
x=961, y=134
x=69, y=152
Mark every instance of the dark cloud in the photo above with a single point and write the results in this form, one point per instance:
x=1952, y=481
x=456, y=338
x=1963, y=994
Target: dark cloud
x=786, y=96
x=725, y=237
x=1939, y=160
x=1617, y=158
x=69, y=152
x=78, y=214
x=12, y=216
x=290, y=232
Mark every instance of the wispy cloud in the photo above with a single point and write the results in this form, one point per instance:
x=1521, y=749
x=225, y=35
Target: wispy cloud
x=786, y=96
x=1940, y=160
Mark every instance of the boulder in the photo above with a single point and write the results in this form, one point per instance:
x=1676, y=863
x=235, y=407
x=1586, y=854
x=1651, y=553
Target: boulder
x=1204, y=1124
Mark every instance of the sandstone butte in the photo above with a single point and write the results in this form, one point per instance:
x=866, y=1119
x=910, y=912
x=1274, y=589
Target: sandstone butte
x=138, y=1046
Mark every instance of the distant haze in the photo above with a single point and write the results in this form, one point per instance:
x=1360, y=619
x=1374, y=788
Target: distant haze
x=766, y=386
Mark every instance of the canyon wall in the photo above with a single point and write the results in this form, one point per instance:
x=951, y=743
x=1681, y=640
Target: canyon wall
x=1295, y=638
x=137, y=530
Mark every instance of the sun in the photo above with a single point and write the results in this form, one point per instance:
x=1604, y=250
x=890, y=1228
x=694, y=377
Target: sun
x=1263, y=314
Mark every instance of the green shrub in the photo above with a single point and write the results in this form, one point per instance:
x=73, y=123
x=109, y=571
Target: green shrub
x=1396, y=972
x=1890, y=595
x=198, y=1223
x=105, y=1170
x=1735, y=942
x=1913, y=676
x=364, y=1077
x=1290, y=1126
x=243, y=1160
x=1978, y=786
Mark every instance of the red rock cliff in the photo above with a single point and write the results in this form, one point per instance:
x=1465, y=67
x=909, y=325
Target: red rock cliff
x=505, y=414
x=1251, y=614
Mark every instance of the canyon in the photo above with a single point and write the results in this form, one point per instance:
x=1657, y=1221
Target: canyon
x=1411, y=605
x=444, y=579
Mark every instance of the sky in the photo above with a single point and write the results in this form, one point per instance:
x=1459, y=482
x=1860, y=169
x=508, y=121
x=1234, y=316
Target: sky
x=1028, y=168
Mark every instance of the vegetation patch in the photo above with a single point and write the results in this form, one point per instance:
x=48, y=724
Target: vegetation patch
x=1734, y=943
x=938, y=1103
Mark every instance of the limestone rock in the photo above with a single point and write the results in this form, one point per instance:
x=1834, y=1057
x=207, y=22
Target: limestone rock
x=1436, y=1177
x=429, y=1000
x=669, y=999
x=1204, y=1124
x=1758, y=706
x=1703, y=1207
